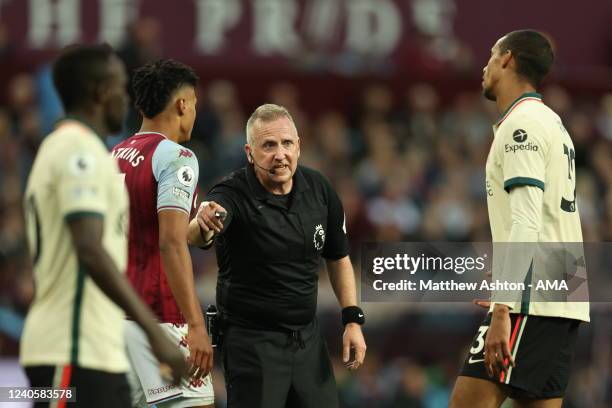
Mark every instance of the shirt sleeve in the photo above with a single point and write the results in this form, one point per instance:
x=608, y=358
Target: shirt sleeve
x=82, y=182
x=519, y=251
x=336, y=242
x=524, y=150
x=176, y=170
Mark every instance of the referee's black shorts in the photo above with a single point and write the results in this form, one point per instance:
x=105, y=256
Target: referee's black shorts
x=93, y=388
x=542, y=348
x=273, y=369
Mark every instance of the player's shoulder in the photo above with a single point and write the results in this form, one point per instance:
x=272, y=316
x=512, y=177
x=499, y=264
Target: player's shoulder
x=73, y=135
x=169, y=146
x=532, y=118
x=79, y=146
x=533, y=112
x=168, y=151
x=537, y=107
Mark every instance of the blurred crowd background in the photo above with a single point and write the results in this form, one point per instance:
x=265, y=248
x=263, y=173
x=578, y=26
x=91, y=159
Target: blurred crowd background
x=406, y=154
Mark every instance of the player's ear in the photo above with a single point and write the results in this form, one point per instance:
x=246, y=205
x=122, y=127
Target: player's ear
x=99, y=92
x=181, y=106
x=506, y=58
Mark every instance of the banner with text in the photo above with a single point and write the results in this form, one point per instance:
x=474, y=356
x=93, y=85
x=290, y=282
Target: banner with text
x=504, y=272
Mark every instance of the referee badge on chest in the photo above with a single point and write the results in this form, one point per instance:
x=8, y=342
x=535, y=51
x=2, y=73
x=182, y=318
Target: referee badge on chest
x=319, y=237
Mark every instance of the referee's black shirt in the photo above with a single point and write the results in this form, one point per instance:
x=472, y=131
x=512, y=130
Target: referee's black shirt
x=270, y=249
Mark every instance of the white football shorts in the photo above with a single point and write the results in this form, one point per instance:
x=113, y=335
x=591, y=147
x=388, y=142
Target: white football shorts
x=147, y=385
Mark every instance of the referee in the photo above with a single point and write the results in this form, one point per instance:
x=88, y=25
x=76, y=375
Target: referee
x=281, y=220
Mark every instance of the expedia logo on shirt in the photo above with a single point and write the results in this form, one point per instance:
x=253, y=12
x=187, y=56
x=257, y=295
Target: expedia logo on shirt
x=319, y=237
x=530, y=147
x=520, y=137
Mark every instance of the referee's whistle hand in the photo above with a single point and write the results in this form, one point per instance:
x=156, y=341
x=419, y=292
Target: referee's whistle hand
x=352, y=339
x=211, y=216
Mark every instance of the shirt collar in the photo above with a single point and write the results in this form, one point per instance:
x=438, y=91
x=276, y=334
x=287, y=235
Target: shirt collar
x=151, y=133
x=68, y=119
x=523, y=97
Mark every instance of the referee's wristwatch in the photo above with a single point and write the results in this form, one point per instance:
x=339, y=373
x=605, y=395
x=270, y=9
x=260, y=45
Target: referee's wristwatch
x=353, y=314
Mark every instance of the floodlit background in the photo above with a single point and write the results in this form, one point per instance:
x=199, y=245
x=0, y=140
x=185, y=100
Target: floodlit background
x=386, y=97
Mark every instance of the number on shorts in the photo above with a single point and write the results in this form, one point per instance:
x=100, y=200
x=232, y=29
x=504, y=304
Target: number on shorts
x=480, y=340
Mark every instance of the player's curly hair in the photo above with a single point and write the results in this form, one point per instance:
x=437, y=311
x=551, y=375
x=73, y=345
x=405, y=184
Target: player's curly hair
x=155, y=82
x=532, y=52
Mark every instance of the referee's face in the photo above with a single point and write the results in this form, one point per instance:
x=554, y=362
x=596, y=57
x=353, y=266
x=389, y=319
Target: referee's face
x=275, y=151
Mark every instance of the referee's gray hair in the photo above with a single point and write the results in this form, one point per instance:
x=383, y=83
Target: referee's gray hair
x=268, y=112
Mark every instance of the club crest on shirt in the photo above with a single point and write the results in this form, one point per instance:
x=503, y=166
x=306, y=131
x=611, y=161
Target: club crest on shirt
x=82, y=164
x=185, y=153
x=185, y=176
x=319, y=237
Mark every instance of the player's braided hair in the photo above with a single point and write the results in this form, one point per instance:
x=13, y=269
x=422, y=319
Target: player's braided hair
x=532, y=52
x=154, y=84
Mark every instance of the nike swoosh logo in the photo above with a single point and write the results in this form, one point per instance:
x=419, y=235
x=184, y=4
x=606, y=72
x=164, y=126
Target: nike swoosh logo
x=360, y=315
x=472, y=360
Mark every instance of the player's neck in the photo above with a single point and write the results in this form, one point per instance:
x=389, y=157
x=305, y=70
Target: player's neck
x=91, y=120
x=160, y=126
x=511, y=94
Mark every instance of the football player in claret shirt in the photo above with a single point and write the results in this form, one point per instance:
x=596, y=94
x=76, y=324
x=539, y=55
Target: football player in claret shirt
x=161, y=178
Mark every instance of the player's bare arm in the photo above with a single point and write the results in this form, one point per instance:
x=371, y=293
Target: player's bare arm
x=173, y=226
x=87, y=238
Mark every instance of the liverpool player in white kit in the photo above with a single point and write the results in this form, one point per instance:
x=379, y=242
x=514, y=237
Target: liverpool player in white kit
x=523, y=350
x=76, y=213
